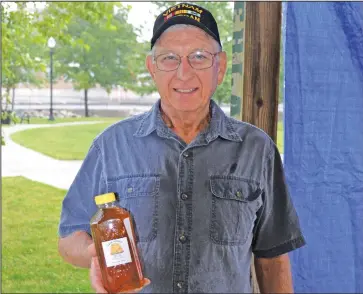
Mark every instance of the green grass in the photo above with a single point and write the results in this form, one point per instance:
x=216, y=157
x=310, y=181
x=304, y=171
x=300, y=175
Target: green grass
x=66, y=142
x=280, y=137
x=30, y=260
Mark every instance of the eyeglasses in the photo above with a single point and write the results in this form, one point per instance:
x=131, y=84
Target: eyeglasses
x=198, y=60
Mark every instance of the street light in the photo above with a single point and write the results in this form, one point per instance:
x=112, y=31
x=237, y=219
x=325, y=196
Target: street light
x=51, y=45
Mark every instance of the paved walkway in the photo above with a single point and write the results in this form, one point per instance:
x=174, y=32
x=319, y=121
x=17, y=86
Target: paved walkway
x=17, y=160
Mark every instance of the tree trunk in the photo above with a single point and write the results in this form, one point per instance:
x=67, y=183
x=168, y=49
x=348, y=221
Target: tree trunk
x=86, y=103
x=13, y=100
x=7, y=98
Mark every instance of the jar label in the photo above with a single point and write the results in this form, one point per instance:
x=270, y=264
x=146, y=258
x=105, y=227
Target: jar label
x=116, y=252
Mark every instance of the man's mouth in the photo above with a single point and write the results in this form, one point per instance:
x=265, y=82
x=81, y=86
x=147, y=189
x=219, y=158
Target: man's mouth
x=185, y=91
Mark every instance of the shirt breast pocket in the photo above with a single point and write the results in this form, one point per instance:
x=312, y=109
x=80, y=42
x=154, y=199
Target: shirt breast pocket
x=235, y=203
x=139, y=195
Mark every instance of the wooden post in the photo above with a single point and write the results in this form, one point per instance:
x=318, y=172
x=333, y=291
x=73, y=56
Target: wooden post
x=255, y=70
x=262, y=65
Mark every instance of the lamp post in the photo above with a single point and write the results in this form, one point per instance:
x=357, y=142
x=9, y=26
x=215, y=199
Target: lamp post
x=51, y=45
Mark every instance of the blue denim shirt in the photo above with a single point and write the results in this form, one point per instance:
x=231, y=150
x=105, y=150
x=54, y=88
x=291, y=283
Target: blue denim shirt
x=200, y=209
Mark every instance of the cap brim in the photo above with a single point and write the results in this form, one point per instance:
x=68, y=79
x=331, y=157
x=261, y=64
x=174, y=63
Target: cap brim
x=180, y=20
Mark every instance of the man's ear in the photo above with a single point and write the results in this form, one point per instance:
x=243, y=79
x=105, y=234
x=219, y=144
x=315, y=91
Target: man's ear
x=150, y=66
x=222, y=66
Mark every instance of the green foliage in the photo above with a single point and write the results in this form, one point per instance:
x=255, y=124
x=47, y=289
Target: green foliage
x=22, y=50
x=98, y=49
x=144, y=84
x=21, y=55
x=55, y=18
x=95, y=44
x=223, y=14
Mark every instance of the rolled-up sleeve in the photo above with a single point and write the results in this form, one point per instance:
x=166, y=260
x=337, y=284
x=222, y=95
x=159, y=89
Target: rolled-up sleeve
x=277, y=230
x=78, y=205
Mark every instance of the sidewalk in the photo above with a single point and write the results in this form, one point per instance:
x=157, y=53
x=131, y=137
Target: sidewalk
x=17, y=160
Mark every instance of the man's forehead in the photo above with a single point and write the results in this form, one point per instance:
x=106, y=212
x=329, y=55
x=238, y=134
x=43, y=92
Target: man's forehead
x=178, y=34
x=188, y=51
x=182, y=48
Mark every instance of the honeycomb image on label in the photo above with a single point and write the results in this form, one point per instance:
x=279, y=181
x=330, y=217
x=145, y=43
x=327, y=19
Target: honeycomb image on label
x=116, y=248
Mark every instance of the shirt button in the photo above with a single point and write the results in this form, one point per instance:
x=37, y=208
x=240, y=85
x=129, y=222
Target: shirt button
x=186, y=154
x=184, y=196
x=182, y=238
x=180, y=285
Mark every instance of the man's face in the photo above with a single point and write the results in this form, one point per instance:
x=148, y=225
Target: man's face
x=186, y=89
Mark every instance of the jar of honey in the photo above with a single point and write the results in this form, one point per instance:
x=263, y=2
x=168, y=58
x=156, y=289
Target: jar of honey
x=114, y=239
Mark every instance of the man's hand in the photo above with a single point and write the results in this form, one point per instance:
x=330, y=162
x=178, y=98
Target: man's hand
x=96, y=276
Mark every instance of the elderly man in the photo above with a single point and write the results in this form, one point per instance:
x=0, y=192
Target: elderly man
x=211, y=189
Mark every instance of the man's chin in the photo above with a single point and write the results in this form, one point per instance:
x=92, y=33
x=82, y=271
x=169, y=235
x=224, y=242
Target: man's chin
x=188, y=104
x=184, y=107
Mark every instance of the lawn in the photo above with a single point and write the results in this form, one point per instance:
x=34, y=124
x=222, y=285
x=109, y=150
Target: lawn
x=66, y=142
x=280, y=137
x=30, y=261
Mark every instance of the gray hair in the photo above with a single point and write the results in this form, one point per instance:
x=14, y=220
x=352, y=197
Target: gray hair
x=183, y=26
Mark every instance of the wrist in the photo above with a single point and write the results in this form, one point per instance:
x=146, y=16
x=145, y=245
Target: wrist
x=88, y=254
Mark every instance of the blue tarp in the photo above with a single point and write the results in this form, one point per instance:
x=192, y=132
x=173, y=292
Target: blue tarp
x=324, y=142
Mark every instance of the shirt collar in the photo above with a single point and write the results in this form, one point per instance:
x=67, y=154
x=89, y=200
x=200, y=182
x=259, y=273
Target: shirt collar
x=220, y=124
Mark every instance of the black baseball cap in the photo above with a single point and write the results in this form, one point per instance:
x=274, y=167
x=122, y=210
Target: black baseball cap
x=185, y=13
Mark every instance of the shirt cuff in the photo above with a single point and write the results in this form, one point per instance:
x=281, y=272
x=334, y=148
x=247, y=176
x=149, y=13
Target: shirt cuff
x=281, y=249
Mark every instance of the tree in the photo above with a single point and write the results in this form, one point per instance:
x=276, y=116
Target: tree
x=22, y=43
x=96, y=47
x=223, y=13
x=21, y=55
x=144, y=84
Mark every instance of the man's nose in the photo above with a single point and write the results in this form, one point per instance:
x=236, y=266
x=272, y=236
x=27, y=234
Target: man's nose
x=185, y=71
